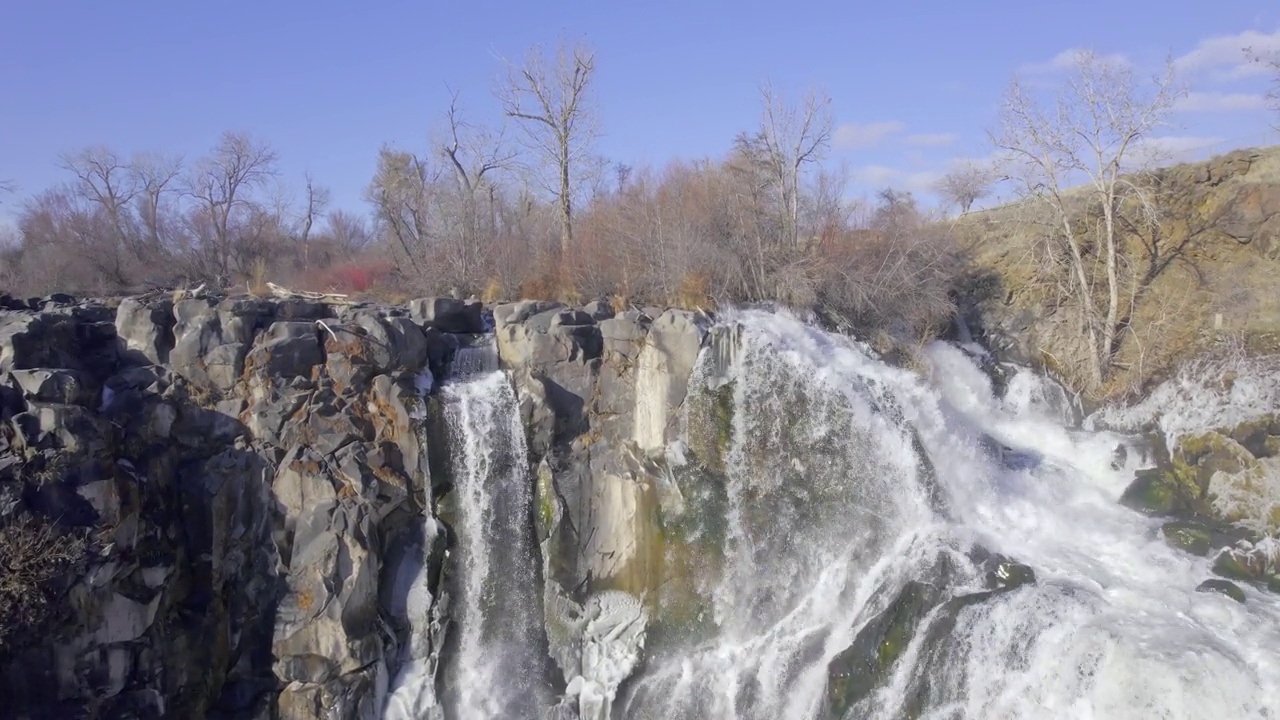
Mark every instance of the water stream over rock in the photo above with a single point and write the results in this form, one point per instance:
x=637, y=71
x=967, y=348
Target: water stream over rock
x=840, y=538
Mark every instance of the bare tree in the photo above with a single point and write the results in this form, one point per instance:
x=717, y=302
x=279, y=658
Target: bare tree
x=475, y=154
x=155, y=177
x=794, y=136
x=349, y=233
x=317, y=199
x=1273, y=96
x=551, y=105
x=1092, y=135
x=6, y=187
x=106, y=182
x=965, y=184
x=221, y=185
x=401, y=192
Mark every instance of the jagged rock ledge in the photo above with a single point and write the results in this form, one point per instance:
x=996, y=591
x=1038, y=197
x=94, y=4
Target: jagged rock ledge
x=247, y=475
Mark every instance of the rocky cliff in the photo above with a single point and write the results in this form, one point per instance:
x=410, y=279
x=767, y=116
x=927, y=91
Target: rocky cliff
x=1201, y=276
x=208, y=504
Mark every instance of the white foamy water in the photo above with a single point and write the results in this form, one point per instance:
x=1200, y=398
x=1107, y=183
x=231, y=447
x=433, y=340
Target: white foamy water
x=845, y=480
x=491, y=663
x=831, y=512
x=1208, y=393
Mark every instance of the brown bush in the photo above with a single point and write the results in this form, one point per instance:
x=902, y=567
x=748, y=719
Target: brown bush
x=34, y=555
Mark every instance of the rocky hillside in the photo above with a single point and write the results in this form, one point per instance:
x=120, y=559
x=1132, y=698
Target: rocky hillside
x=205, y=504
x=1203, y=277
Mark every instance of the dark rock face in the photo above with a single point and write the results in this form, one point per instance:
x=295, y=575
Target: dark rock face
x=237, y=472
x=243, y=480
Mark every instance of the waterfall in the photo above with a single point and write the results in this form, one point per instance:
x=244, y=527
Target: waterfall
x=909, y=545
x=491, y=664
x=852, y=540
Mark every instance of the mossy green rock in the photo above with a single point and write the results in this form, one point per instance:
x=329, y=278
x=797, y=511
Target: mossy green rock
x=1157, y=492
x=1259, y=436
x=1224, y=587
x=1008, y=575
x=855, y=673
x=1181, y=486
x=1188, y=536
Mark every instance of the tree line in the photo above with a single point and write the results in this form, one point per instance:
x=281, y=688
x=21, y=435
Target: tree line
x=524, y=206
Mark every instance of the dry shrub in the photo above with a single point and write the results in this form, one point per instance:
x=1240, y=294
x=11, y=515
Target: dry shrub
x=493, y=291
x=895, y=279
x=694, y=291
x=258, y=273
x=540, y=286
x=34, y=555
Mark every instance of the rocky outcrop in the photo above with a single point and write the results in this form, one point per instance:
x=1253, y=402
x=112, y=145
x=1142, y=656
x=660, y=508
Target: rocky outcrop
x=244, y=483
x=235, y=474
x=601, y=397
x=1221, y=491
x=1204, y=273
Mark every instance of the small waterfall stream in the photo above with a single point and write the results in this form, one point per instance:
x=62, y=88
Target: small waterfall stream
x=492, y=663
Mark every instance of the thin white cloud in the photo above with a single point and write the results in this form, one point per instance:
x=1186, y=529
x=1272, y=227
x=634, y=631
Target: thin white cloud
x=931, y=139
x=1232, y=56
x=1219, y=102
x=880, y=177
x=855, y=136
x=1068, y=59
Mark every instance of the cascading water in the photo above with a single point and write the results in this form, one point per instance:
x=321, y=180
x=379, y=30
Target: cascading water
x=864, y=501
x=860, y=541
x=491, y=665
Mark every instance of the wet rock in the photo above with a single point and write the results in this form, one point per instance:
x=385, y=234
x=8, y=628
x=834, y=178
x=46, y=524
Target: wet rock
x=1192, y=537
x=856, y=672
x=1223, y=587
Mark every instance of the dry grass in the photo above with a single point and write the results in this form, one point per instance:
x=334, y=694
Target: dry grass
x=34, y=554
x=258, y=274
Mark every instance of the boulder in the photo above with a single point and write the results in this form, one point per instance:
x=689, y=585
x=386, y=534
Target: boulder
x=145, y=328
x=67, y=387
x=448, y=314
x=1222, y=587
x=286, y=350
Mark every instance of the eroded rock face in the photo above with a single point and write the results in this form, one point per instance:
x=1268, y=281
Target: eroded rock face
x=600, y=400
x=251, y=478
x=238, y=470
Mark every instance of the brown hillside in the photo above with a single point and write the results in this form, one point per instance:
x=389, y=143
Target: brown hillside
x=1208, y=275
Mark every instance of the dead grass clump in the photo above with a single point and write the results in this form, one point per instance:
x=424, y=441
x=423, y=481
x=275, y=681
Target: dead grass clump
x=34, y=554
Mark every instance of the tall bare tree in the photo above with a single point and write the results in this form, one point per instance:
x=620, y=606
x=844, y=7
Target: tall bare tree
x=221, y=185
x=1091, y=135
x=474, y=154
x=401, y=193
x=794, y=136
x=106, y=182
x=156, y=178
x=965, y=184
x=549, y=98
x=313, y=207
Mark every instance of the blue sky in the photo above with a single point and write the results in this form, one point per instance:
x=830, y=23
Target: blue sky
x=914, y=83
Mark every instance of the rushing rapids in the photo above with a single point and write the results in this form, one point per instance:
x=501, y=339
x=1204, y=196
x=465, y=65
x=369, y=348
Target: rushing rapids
x=871, y=542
